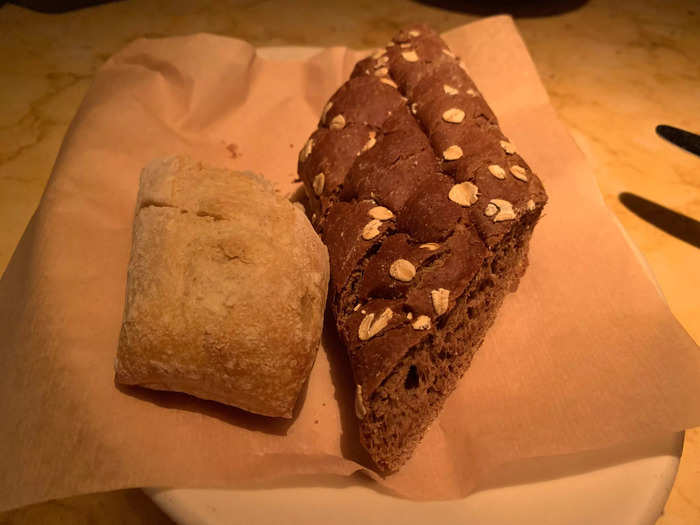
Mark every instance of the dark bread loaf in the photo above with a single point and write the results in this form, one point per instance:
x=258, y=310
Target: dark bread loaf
x=427, y=211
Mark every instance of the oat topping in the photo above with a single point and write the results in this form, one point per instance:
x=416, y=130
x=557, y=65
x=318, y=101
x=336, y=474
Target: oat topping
x=319, y=182
x=338, y=122
x=441, y=300
x=464, y=193
x=507, y=147
x=360, y=410
x=325, y=111
x=371, y=229
x=454, y=115
x=381, y=213
x=519, y=173
x=422, y=322
x=369, y=327
x=452, y=153
x=503, y=210
x=497, y=171
x=449, y=90
x=370, y=142
x=402, y=270
x=306, y=150
x=410, y=56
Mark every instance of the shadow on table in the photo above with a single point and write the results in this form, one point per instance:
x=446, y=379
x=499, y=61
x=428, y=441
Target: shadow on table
x=62, y=6
x=680, y=226
x=516, y=8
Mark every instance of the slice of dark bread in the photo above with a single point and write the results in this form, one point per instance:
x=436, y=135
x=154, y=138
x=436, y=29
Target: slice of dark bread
x=427, y=210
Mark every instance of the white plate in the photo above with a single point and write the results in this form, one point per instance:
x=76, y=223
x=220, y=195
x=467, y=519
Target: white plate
x=625, y=485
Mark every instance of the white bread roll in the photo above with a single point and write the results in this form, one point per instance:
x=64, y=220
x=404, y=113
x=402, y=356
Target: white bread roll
x=226, y=289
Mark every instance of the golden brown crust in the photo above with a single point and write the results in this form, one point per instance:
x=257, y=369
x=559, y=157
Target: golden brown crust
x=226, y=289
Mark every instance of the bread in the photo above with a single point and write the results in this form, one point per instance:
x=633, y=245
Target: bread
x=427, y=211
x=225, y=292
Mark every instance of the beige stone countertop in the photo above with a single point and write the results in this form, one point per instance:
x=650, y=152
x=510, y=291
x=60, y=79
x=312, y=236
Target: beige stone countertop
x=613, y=69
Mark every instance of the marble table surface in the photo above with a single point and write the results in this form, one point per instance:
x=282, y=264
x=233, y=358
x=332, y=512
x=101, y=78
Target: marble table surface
x=613, y=69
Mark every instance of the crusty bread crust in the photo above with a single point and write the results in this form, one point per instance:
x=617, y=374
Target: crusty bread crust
x=226, y=289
